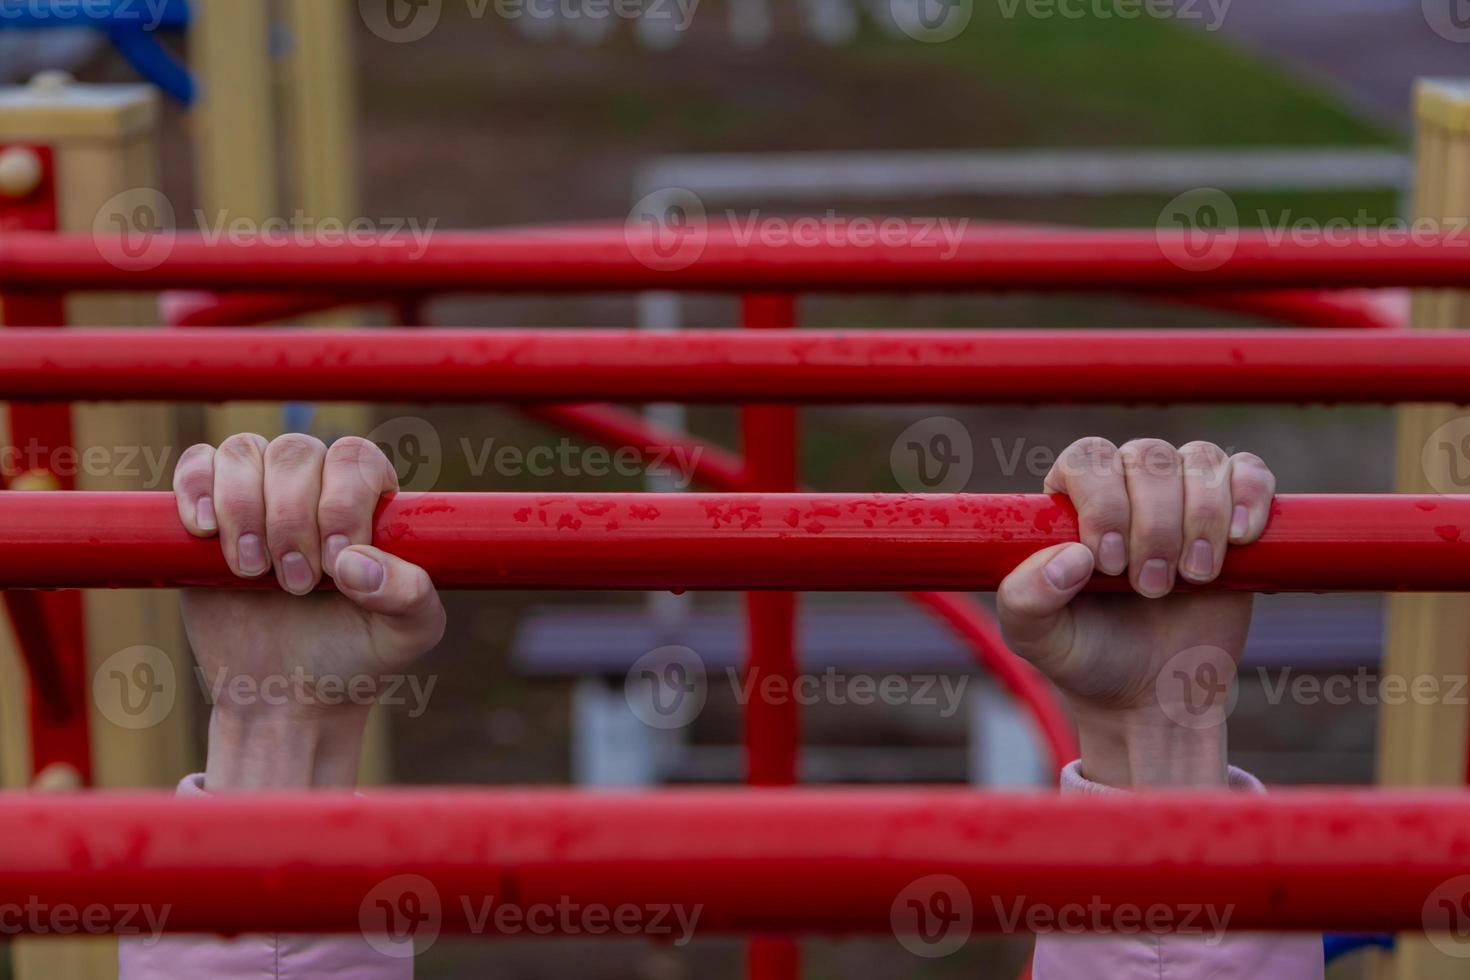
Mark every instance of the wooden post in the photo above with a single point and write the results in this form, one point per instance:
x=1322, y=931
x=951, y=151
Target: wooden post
x=1429, y=635
x=103, y=139
x=234, y=128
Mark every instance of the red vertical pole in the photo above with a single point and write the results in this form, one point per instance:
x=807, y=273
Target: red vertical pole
x=772, y=726
x=49, y=626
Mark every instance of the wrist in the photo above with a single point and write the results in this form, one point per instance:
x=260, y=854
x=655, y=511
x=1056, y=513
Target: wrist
x=252, y=749
x=1142, y=747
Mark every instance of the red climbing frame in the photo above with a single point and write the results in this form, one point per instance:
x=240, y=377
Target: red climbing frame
x=808, y=367
x=617, y=260
x=786, y=542
x=796, y=861
x=850, y=542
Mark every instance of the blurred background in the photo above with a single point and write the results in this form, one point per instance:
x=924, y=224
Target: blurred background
x=1088, y=114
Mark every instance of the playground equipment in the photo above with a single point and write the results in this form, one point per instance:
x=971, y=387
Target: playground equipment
x=1345, y=860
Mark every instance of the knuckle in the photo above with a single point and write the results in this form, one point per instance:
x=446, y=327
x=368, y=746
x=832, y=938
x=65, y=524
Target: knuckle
x=195, y=469
x=1091, y=455
x=354, y=449
x=1207, y=513
x=292, y=525
x=1154, y=457
x=294, y=449
x=1251, y=474
x=243, y=447
x=339, y=511
x=1158, y=539
x=241, y=504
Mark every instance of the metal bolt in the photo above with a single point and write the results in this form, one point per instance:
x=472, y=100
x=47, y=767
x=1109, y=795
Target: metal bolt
x=21, y=172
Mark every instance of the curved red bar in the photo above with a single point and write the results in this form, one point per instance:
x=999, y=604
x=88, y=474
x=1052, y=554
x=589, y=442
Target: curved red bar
x=828, y=542
x=774, y=861
x=1020, y=366
x=624, y=260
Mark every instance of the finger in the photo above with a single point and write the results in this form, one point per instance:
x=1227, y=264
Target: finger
x=355, y=476
x=1156, y=500
x=1090, y=472
x=194, y=491
x=1206, y=510
x=239, y=503
x=1032, y=601
x=401, y=593
x=1252, y=485
x=293, y=485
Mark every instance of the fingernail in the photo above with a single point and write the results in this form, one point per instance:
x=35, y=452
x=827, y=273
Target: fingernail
x=252, y=555
x=1240, y=521
x=1113, y=555
x=204, y=514
x=1069, y=569
x=1153, y=578
x=359, y=572
x=1199, y=564
x=336, y=544
x=296, y=573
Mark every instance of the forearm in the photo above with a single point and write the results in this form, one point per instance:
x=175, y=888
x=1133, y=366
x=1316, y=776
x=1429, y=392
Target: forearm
x=253, y=749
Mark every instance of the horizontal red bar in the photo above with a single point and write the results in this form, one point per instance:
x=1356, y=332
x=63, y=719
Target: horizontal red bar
x=853, y=542
x=767, y=861
x=619, y=260
x=736, y=366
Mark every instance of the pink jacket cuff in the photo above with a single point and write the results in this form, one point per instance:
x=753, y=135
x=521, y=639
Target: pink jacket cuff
x=1211, y=954
x=255, y=957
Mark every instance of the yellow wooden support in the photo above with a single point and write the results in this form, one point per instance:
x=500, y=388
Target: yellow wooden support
x=104, y=139
x=236, y=162
x=1429, y=635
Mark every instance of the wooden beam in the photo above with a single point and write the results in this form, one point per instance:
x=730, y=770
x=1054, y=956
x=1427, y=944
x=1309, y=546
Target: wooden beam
x=1429, y=635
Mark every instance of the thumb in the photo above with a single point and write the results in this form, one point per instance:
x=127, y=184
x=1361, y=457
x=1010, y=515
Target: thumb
x=399, y=593
x=1032, y=601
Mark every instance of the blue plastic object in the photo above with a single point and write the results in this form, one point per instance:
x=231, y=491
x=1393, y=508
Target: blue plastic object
x=1334, y=946
x=131, y=25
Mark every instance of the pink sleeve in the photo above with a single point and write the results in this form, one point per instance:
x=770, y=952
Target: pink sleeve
x=256, y=957
x=1215, y=955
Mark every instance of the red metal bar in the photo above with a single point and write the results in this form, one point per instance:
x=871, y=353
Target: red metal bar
x=829, y=542
x=50, y=627
x=792, y=860
x=619, y=260
x=772, y=728
x=1021, y=366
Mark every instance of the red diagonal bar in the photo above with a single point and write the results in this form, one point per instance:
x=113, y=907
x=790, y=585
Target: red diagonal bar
x=853, y=542
x=1035, y=366
x=774, y=861
x=920, y=257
